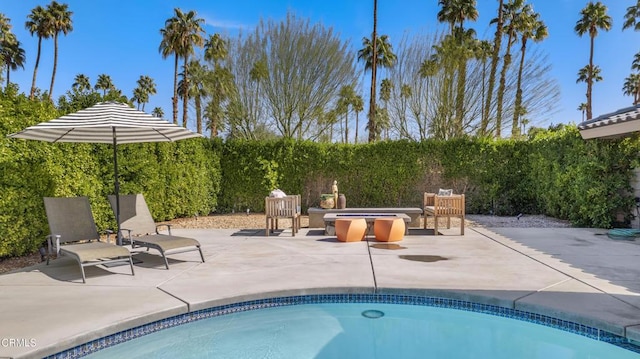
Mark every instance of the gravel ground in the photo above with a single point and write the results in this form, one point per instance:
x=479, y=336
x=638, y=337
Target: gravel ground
x=257, y=220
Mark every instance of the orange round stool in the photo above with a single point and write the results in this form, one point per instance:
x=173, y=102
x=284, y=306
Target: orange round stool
x=389, y=229
x=351, y=230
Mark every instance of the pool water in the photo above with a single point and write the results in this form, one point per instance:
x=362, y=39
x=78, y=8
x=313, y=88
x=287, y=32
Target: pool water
x=342, y=331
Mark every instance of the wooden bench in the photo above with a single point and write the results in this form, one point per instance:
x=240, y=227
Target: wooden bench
x=316, y=215
x=444, y=206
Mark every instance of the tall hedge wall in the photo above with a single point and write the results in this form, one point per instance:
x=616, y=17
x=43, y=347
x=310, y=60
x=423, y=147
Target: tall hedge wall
x=554, y=172
x=177, y=179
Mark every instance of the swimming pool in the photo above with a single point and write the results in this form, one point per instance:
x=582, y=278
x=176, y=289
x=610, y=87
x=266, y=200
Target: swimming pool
x=339, y=326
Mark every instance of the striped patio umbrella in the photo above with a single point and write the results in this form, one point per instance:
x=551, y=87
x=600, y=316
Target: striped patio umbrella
x=107, y=122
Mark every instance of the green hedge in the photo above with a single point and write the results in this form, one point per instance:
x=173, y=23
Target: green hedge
x=554, y=172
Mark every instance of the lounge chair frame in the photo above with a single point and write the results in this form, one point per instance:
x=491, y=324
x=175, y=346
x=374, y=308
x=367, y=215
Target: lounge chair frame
x=139, y=229
x=71, y=221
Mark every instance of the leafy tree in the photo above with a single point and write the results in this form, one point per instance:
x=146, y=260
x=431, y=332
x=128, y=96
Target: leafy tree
x=306, y=67
x=594, y=18
x=37, y=23
x=59, y=19
x=530, y=27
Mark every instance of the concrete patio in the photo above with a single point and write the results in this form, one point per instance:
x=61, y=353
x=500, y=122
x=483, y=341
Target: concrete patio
x=574, y=274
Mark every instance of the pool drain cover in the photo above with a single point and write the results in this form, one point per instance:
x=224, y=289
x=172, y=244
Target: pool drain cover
x=372, y=314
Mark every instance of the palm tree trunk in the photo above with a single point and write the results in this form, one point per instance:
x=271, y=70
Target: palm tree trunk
x=515, y=129
x=7, y=85
x=55, y=64
x=462, y=79
x=198, y=101
x=372, y=126
x=356, y=139
x=590, y=81
x=502, y=86
x=35, y=70
x=346, y=127
x=174, y=99
x=185, y=95
x=494, y=68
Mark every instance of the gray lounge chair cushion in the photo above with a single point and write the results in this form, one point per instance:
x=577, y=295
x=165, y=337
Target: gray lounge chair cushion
x=166, y=242
x=93, y=251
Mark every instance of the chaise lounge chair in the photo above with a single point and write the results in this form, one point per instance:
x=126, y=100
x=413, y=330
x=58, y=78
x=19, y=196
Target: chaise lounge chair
x=138, y=227
x=74, y=233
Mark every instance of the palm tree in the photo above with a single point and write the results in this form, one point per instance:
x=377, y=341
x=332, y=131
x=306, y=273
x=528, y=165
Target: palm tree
x=197, y=91
x=384, y=58
x=219, y=83
x=631, y=87
x=386, y=86
x=105, y=84
x=497, y=42
x=81, y=83
x=5, y=26
x=59, y=20
x=530, y=27
x=12, y=54
x=147, y=87
x=158, y=112
x=635, y=65
x=345, y=100
x=594, y=18
x=358, y=106
x=586, y=74
x=372, y=125
x=513, y=10
x=456, y=12
x=179, y=36
x=582, y=108
x=631, y=17
x=484, y=49
x=39, y=25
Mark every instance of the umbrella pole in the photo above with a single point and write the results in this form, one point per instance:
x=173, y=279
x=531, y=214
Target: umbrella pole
x=117, y=188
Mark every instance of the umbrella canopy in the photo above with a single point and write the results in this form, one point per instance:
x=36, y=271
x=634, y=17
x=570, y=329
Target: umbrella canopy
x=107, y=122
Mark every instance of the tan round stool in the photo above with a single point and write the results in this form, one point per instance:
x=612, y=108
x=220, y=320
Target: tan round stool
x=389, y=229
x=351, y=229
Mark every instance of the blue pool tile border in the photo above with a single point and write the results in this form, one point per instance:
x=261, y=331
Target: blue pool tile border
x=137, y=332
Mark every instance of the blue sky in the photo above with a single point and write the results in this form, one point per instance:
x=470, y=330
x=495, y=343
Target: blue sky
x=121, y=38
